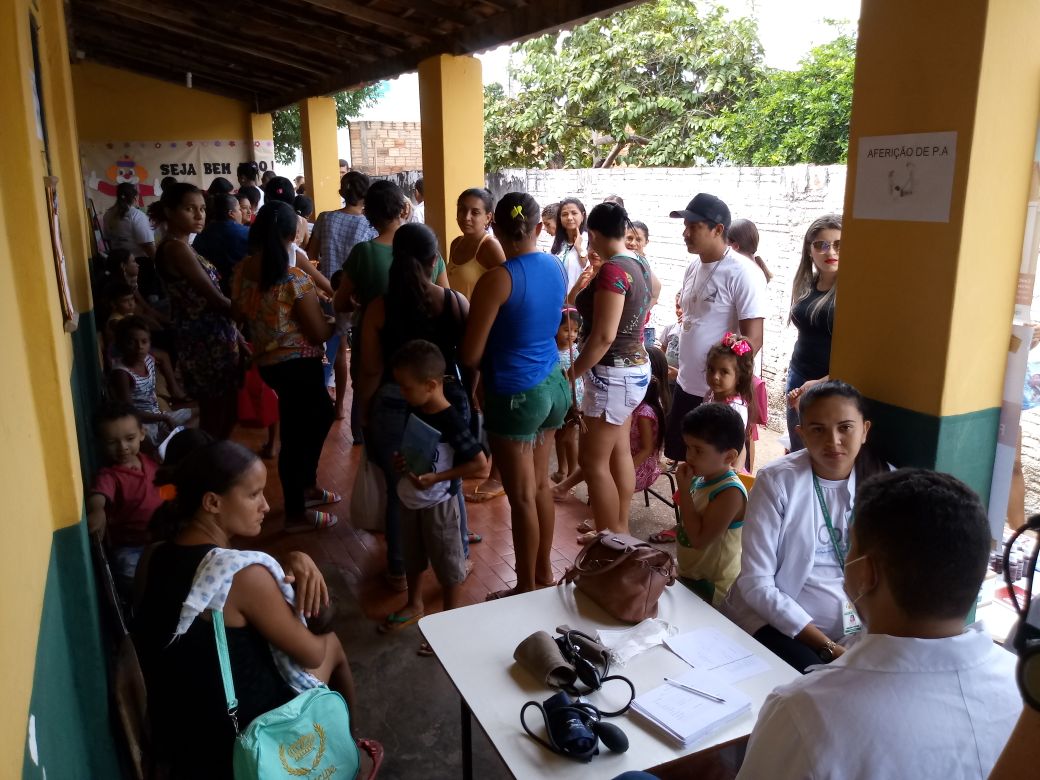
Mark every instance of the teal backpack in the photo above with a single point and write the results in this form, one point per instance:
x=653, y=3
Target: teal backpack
x=308, y=737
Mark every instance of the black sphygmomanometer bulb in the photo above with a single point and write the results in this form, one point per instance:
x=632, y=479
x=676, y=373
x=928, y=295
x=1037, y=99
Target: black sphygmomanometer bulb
x=611, y=736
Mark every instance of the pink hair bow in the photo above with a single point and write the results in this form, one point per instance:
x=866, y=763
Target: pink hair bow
x=739, y=345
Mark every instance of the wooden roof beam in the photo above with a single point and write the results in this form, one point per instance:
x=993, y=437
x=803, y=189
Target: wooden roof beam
x=363, y=13
x=521, y=23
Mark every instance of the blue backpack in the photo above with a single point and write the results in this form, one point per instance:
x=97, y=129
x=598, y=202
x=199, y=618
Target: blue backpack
x=306, y=737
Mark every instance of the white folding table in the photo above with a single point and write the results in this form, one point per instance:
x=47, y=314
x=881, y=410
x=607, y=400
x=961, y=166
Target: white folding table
x=475, y=646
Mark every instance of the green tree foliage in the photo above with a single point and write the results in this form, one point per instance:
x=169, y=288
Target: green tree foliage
x=348, y=105
x=799, y=116
x=659, y=74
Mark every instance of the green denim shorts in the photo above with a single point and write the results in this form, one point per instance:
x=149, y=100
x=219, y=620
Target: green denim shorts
x=521, y=416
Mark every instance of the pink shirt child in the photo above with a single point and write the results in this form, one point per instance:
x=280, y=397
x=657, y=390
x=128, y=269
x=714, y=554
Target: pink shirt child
x=131, y=498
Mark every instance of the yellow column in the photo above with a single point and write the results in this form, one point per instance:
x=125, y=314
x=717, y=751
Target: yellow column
x=451, y=100
x=320, y=151
x=924, y=307
x=261, y=127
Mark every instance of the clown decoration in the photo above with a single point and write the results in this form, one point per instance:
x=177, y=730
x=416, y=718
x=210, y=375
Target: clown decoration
x=126, y=171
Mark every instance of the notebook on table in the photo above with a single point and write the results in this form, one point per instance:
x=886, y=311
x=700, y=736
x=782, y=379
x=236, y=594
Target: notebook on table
x=688, y=717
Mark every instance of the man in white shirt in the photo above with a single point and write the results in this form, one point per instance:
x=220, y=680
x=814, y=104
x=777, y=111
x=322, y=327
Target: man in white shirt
x=919, y=695
x=720, y=293
x=419, y=209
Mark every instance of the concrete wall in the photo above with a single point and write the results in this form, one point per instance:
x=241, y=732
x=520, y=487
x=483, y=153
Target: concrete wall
x=379, y=148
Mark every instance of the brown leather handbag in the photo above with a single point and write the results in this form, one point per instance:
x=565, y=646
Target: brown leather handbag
x=624, y=575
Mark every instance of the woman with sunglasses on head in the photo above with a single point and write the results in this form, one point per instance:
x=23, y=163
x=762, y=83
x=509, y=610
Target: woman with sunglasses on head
x=812, y=313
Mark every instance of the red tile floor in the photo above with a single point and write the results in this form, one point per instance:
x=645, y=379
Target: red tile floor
x=361, y=555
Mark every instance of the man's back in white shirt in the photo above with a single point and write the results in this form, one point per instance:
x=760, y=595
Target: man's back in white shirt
x=891, y=707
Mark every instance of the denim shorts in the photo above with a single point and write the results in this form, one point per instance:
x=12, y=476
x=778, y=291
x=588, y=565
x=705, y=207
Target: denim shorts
x=521, y=416
x=612, y=393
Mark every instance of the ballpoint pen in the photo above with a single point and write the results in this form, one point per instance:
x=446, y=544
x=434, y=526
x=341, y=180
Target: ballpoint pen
x=691, y=689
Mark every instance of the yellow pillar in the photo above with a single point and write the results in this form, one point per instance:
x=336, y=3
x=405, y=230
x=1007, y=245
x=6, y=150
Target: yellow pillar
x=925, y=307
x=261, y=127
x=320, y=151
x=451, y=100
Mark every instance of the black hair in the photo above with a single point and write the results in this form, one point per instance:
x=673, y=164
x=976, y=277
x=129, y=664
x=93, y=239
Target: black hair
x=720, y=425
x=221, y=206
x=658, y=397
x=118, y=288
x=110, y=411
x=419, y=184
x=551, y=211
x=422, y=359
x=353, y=186
x=303, y=206
x=867, y=462
x=517, y=216
x=560, y=239
x=571, y=314
x=614, y=199
x=127, y=325
x=249, y=170
x=167, y=182
x=482, y=193
x=415, y=252
x=610, y=219
x=279, y=188
x=274, y=224
x=641, y=226
x=384, y=203
x=172, y=197
x=220, y=186
x=250, y=193
x=929, y=535
x=114, y=263
x=212, y=468
x=335, y=279
x=164, y=522
x=266, y=176
x=343, y=162
x=126, y=196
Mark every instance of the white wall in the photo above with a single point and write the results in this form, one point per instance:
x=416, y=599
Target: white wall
x=782, y=202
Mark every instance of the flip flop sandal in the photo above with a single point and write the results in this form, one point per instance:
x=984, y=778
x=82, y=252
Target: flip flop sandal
x=327, y=497
x=394, y=622
x=474, y=538
x=424, y=650
x=374, y=751
x=320, y=521
x=663, y=537
x=586, y=525
x=587, y=537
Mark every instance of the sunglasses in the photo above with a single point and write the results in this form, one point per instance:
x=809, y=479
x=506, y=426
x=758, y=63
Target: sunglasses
x=823, y=246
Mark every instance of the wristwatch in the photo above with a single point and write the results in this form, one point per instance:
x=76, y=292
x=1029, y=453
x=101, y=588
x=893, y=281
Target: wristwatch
x=826, y=652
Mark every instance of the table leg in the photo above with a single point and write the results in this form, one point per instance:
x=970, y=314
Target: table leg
x=467, y=742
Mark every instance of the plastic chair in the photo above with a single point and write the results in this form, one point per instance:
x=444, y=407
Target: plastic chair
x=649, y=491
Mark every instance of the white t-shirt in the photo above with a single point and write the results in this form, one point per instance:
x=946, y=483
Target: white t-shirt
x=572, y=262
x=130, y=232
x=715, y=298
x=823, y=595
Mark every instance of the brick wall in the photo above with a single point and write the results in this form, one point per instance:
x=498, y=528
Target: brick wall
x=379, y=148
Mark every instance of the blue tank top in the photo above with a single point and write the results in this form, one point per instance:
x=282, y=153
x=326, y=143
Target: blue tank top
x=521, y=348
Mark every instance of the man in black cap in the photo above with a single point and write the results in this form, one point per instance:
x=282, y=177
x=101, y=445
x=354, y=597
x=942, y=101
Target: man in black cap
x=721, y=292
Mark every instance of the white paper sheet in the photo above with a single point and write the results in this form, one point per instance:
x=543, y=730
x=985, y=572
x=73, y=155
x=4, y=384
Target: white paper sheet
x=708, y=650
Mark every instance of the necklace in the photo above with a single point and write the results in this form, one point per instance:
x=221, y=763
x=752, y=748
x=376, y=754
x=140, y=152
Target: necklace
x=699, y=291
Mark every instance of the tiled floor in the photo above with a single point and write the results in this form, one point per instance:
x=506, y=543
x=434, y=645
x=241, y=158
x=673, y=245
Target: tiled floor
x=361, y=555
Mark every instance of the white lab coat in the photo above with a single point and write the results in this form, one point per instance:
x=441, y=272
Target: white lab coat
x=778, y=548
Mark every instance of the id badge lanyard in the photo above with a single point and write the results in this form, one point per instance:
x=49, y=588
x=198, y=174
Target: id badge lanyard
x=850, y=620
x=839, y=548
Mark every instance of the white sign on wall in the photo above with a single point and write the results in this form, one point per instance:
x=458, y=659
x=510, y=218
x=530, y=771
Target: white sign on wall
x=905, y=177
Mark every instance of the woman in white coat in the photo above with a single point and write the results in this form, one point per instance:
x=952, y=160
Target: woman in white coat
x=790, y=593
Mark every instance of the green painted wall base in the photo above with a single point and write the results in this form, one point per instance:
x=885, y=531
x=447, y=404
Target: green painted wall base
x=963, y=445
x=70, y=702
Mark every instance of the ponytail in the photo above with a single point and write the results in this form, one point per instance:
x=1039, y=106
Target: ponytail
x=126, y=194
x=275, y=224
x=415, y=252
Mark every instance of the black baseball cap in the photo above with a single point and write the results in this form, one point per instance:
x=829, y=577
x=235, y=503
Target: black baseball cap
x=705, y=208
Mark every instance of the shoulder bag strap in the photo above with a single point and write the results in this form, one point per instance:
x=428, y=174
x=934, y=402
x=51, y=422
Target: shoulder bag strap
x=225, y=666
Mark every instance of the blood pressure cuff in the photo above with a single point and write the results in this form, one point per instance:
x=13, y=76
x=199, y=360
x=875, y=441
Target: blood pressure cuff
x=540, y=655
